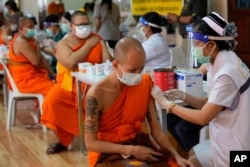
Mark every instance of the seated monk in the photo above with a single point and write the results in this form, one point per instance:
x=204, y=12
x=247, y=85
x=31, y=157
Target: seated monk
x=29, y=69
x=115, y=110
x=60, y=106
x=6, y=33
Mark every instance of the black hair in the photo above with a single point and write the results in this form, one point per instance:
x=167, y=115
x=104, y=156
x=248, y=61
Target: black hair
x=67, y=15
x=12, y=5
x=31, y=17
x=156, y=19
x=89, y=6
x=107, y=2
x=52, y=18
x=204, y=28
x=78, y=13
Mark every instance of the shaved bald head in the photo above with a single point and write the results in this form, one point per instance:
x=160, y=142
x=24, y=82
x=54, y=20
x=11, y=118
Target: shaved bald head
x=129, y=48
x=25, y=21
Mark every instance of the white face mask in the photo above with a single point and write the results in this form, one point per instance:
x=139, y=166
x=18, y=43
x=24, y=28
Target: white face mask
x=129, y=79
x=13, y=27
x=83, y=31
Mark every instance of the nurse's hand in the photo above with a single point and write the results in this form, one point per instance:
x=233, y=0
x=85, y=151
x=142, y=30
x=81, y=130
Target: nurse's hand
x=160, y=97
x=175, y=94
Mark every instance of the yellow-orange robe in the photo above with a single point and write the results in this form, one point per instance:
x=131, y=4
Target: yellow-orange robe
x=60, y=106
x=122, y=122
x=28, y=78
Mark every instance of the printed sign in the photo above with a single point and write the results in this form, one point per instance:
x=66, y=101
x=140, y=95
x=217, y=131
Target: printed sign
x=140, y=7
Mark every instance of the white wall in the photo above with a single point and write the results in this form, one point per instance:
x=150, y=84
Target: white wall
x=74, y=4
x=28, y=6
x=219, y=6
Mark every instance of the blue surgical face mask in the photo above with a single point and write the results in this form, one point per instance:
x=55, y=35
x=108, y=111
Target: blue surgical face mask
x=129, y=79
x=65, y=28
x=30, y=33
x=49, y=33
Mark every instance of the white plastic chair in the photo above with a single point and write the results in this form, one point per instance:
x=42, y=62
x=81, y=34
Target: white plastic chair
x=14, y=95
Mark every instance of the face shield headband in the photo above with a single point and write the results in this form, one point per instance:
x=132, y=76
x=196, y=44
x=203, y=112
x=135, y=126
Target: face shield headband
x=49, y=24
x=205, y=38
x=144, y=22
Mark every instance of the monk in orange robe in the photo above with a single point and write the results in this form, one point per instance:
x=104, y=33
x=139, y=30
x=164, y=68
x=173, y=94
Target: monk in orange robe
x=6, y=33
x=116, y=108
x=29, y=69
x=60, y=106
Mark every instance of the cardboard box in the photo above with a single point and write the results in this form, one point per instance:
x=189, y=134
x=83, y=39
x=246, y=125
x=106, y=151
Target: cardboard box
x=190, y=82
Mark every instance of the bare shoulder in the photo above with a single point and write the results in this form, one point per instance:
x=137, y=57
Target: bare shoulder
x=20, y=44
x=63, y=42
x=102, y=89
x=99, y=88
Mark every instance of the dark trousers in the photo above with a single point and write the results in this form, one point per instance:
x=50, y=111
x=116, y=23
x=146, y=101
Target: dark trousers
x=186, y=133
x=112, y=43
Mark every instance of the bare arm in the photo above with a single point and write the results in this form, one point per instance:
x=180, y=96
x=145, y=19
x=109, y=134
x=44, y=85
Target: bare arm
x=44, y=63
x=105, y=52
x=68, y=58
x=4, y=37
x=49, y=50
x=201, y=117
x=173, y=18
x=159, y=135
x=196, y=102
x=156, y=130
x=93, y=109
x=97, y=24
x=23, y=47
x=202, y=69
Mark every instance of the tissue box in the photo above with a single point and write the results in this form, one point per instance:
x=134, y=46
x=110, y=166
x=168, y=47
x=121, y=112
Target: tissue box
x=190, y=82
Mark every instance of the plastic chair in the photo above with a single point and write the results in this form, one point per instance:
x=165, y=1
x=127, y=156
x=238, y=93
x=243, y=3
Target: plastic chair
x=14, y=95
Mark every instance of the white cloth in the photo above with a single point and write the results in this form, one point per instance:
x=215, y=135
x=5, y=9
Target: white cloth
x=157, y=52
x=230, y=129
x=203, y=151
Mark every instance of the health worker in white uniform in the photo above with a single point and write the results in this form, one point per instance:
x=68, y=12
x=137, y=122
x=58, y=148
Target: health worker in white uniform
x=156, y=48
x=226, y=109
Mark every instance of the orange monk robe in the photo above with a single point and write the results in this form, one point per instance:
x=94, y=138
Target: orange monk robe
x=1, y=43
x=28, y=78
x=1, y=39
x=60, y=105
x=124, y=119
x=56, y=9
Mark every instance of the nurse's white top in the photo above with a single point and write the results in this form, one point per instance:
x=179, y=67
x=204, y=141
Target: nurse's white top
x=230, y=129
x=157, y=52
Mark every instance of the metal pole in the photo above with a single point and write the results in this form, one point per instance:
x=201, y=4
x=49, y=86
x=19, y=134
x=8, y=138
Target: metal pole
x=80, y=96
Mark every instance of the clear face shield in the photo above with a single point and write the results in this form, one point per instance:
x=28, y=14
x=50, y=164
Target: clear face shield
x=139, y=34
x=197, y=42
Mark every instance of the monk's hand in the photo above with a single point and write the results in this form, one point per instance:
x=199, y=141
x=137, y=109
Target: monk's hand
x=175, y=94
x=146, y=154
x=160, y=97
x=183, y=162
x=92, y=41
